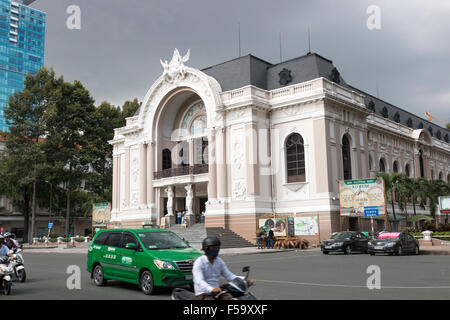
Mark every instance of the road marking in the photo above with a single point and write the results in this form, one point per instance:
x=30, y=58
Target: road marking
x=346, y=285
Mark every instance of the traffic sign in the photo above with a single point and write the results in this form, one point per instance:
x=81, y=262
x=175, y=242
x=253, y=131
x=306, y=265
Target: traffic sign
x=371, y=211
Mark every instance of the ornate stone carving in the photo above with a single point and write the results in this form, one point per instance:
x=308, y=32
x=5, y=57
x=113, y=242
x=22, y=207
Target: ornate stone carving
x=239, y=189
x=189, y=199
x=175, y=69
x=169, y=191
x=238, y=155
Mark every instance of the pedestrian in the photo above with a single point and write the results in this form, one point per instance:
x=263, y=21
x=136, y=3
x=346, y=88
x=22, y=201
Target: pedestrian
x=270, y=239
x=178, y=217
x=260, y=235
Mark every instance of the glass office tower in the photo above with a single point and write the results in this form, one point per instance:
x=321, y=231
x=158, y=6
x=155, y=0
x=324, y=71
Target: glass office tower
x=22, y=42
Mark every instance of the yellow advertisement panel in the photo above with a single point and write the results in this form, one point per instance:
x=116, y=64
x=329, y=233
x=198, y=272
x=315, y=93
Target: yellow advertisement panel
x=354, y=195
x=101, y=214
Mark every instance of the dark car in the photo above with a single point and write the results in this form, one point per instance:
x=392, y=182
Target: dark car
x=392, y=243
x=346, y=242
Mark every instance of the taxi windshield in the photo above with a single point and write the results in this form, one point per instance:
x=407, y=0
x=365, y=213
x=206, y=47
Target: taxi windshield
x=162, y=240
x=341, y=236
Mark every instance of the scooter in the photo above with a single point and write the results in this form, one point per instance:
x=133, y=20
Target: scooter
x=6, y=273
x=18, y=265
x=237, y=288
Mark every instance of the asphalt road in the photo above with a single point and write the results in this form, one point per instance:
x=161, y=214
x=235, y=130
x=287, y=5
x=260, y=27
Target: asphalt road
x=278, y=276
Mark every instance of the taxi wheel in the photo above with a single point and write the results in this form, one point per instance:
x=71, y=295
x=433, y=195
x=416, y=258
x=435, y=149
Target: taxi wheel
x=400, y=251
x=99, y=278
x=146, y=282
x=416, y=251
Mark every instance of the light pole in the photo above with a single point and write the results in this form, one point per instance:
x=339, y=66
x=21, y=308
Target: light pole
x=51, y=198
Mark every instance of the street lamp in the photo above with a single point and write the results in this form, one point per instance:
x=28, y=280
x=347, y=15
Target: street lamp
x=51, y=198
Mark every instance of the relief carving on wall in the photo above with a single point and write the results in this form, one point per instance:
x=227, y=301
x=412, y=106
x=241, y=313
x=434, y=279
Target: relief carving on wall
x=239, y=190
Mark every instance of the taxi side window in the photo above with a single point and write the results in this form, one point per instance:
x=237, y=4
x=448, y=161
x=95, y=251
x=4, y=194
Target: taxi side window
x=114, y=239
x=100, y=240
x=128, y=238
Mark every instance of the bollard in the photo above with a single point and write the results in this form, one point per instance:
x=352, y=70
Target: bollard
x=59, y=240
x=86, y=239
x=427, y=235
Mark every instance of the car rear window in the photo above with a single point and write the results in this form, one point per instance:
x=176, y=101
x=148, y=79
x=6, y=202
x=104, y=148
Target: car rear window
x=100, y=239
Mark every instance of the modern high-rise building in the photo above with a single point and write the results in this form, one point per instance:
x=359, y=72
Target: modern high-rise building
x=22, y=43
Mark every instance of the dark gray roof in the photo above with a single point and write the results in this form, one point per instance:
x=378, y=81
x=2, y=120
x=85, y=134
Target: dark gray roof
x=251, y=70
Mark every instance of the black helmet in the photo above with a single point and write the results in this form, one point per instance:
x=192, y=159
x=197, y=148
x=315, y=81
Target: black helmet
x=210, y=241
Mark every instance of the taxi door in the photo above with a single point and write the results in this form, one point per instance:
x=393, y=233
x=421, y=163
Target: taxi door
x=127, y=267
x=110, y=258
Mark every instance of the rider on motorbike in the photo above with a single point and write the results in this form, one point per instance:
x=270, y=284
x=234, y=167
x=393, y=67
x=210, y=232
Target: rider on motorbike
x=10, y=242
x=207, y=270
x=4, y=250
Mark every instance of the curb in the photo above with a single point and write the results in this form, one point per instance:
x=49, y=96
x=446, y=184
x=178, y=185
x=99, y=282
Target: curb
x=435, y=252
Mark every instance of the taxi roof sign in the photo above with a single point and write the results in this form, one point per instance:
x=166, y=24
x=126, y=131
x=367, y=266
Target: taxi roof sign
x=147, y=224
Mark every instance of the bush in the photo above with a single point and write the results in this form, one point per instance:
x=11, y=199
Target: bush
x=81, y=239
x=66, y=240
x=53, y=240
x=429, y=226
x=443, y=227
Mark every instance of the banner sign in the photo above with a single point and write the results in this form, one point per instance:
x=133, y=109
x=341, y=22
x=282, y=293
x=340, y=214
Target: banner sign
x=278, y=225
x=371, y=212
x=355, y=195
x=306, y=226
x=444, y=204
x=101, y=214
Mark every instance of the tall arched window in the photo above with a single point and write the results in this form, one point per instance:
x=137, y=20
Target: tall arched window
x=166, y=159
x=395, y=166
x=346, y=158
x=440, y=176
x=295, y=158
x=407, y=170
x=382, y=165
x=422, y=172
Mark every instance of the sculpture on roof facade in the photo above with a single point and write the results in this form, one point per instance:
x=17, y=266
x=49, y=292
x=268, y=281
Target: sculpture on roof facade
x=175, y=69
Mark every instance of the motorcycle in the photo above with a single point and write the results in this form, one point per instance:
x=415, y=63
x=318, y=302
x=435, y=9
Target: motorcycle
x=6, y=273
x=237, y=288
x=18, y=265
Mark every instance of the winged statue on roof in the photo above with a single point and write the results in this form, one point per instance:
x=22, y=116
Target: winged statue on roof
x=175, y=69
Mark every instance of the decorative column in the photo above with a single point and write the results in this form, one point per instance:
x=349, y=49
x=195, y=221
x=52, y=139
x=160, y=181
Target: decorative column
x=115, y=200
x=189, y=203
x=127, y=178
x=150, y=174
x=221, y=164
x=212, y=171
x=143, y=175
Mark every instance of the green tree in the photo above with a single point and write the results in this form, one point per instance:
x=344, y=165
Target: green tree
x=129, y=108
x=68, y=121
x=23, y=158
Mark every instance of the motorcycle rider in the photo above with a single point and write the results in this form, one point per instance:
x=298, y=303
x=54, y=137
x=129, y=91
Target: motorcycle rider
x=207, y=270
x=4, y=250
x=10, y=242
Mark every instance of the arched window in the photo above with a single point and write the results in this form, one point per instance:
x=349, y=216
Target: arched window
x=440, y=176
x=295, y=158
x=346, y=158
x=382, y=165
x=407, y=170
x=198, y=126
x=422, y=172
x=448, y=178
x=166, y=159
x=432, y=174
x=395, y=166
x=370, y=162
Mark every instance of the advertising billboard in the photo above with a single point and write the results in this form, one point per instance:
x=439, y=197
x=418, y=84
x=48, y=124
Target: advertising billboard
x=306, y=226
x=358, y=196
x=101, y=214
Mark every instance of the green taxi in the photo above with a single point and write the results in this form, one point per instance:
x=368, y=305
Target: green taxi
x=147, y=257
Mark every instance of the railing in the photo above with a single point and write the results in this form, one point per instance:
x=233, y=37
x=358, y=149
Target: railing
x=182, y=171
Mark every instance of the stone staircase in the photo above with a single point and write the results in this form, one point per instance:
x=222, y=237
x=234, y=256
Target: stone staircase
x=194, y=234
x=197, y=232
x=228, y=238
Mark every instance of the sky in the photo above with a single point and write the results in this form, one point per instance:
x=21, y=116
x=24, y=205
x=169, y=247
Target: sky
x=116, y=52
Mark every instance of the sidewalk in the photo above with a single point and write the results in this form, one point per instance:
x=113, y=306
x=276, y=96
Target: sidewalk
x=435, y=250
x=223, y=252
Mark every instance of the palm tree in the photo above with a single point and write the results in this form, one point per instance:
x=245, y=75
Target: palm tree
x=389, y=189
x=403, y=191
